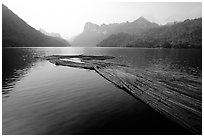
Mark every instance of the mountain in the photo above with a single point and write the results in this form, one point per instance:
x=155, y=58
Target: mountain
x=17, y=33
x=52, y=34
x=186, y=34
x=94, y=34
x=117, y=40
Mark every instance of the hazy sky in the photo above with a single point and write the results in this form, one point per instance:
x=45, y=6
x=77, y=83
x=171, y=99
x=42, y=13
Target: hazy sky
x=68, y=17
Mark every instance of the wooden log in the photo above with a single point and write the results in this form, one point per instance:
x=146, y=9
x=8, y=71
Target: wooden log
x=176, y=95
x=179, y=107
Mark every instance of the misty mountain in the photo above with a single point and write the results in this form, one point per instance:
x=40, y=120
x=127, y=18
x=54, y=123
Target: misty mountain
x=186, y=34
x=17, y=33
x=94, y=34
x=52, y=34
x=117, y=40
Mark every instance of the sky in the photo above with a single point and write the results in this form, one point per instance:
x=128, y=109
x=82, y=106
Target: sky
x=68, y=17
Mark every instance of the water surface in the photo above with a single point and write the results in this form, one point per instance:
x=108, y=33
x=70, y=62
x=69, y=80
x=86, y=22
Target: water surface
x=41, y=98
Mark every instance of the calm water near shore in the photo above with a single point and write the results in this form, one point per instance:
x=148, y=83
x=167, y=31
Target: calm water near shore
x=41, y=98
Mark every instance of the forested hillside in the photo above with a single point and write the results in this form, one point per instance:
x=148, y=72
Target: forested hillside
x=186, y=34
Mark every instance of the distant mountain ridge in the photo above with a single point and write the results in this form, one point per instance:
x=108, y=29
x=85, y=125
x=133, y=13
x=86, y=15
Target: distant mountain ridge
x=186, y=34
x=94, y=34
x=52, y=34
x=17, y=33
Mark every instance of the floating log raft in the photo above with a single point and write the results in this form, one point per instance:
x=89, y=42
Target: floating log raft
x=176, y=95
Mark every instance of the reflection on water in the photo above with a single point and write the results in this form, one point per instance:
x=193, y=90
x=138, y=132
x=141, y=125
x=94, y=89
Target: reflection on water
x=15, y=65
x=41, y=98
x=185, y=60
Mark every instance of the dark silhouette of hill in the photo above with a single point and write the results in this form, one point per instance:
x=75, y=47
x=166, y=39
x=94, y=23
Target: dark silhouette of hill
x=17, y=33
x=186, y=34
x=94, y=34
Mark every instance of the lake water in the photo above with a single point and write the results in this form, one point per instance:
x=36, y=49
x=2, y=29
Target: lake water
x=41, y=98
